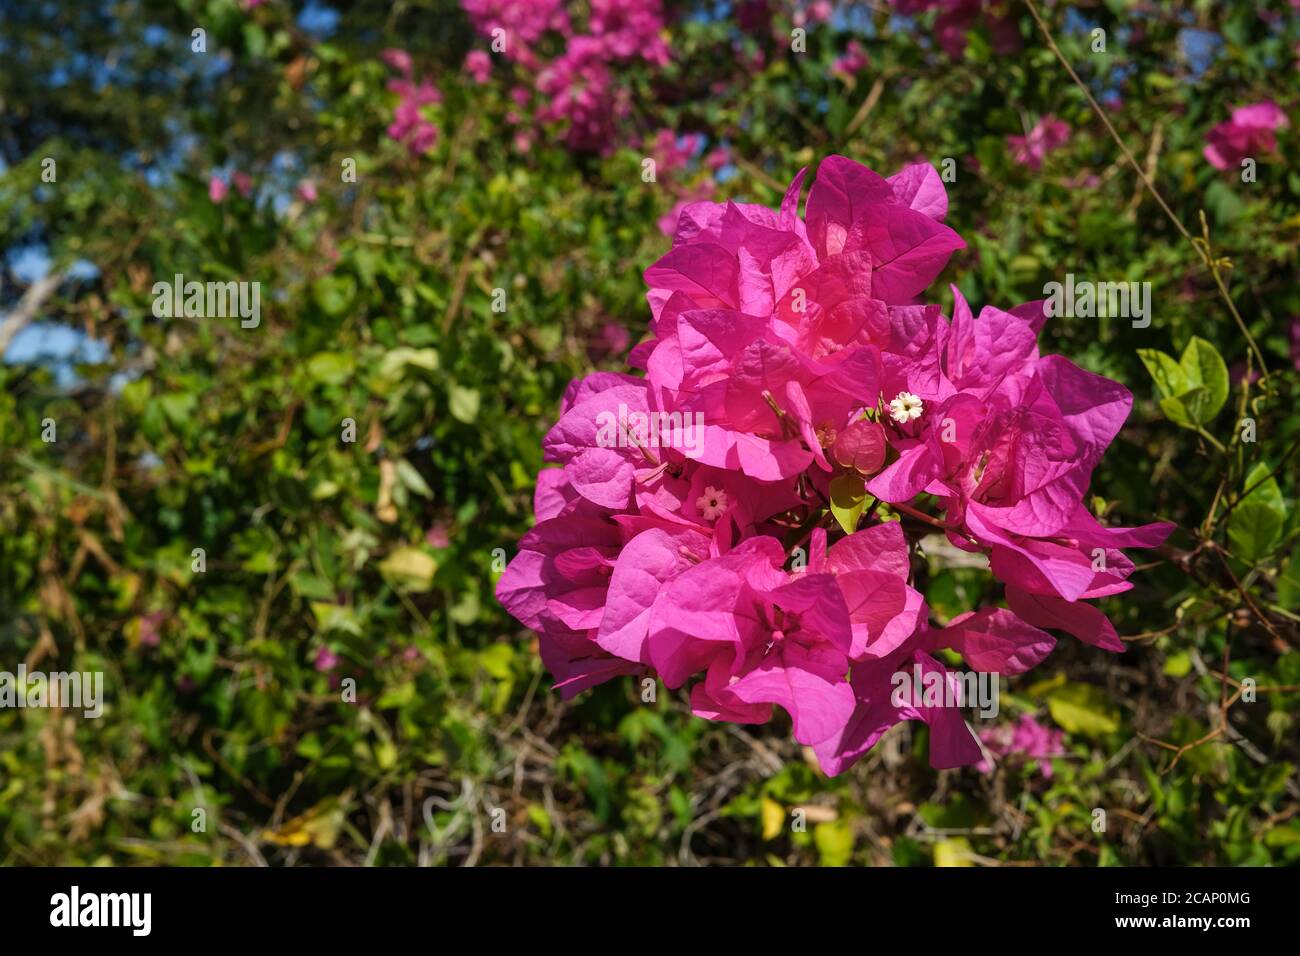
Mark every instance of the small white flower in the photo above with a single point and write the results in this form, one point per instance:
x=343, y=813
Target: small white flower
x=905, y=407
x=712, y=504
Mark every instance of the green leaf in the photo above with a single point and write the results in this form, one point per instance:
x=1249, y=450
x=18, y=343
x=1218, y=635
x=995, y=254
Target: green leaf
x=1193, y=389
x=1181, y=410
x=464, y=403
x=178, y=407
x=410, y=569
x=773, y=816
x=412, y=479
x=1178, y=665
x=330, y=368
x=834, y=840
x=255, y=40
x=1262, y=487
x=953, y=852
x=1083, y=709
x=335, y=617
x=1222, y=202
x=1288, y=583
x=1203, y=366
x=395, y=362
x=848, y=499
x=334, y=293
x=1253, y=529
x=1168, y=374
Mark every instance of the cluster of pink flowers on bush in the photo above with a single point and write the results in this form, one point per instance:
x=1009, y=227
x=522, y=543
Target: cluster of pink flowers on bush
x=410, y=127
x=1252, y=131
x=1048, y=134
x=687, y=531
x=579, y=89
x=1025, y=739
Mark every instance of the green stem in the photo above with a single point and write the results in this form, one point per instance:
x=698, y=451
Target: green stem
x=1200, y=430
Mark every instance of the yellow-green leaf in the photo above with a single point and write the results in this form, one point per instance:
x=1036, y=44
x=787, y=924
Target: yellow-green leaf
x=953, y=852
x=834, y=842
x=1083, y=709
x=410, y=569
x=773, y=818
x=848, y=499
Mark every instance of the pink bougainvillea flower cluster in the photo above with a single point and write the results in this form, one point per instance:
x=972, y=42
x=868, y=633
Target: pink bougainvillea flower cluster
x=1251, y=132
x=851, y=62
x=409, y=126
x=1048, y=134
x=579, y=90
x=478, y=64
x=686, y=530
x=1026, y=739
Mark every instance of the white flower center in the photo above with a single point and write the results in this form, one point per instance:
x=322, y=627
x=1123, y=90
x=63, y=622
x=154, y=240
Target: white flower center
x=712, y=504
x=905, y=407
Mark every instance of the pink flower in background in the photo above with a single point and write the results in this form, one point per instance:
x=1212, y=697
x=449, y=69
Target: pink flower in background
x=1252, y=130
x=612, y=339
x=820, y=11
x=524, y=21
x=683, y=531
x=217, y=189
x=851, y=62
x=409, y=125
x=479, y=66
x=716, y=158
x=437, y=536
x=584, y=90
x=578, y=91
x=307, y=190
x=399, y=60
x=151, y=628
x=630, y=28
x=671, y=152
x=1049, y=133
x=326, y=660
x=1025, y=738
x=243, y=183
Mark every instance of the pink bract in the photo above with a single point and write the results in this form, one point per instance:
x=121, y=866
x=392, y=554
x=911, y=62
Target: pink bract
x=684, y=531
x=1251, y=131
x=1048, y=134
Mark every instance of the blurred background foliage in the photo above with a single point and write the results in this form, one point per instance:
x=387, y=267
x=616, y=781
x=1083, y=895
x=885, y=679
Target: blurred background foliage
x=375, y=561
